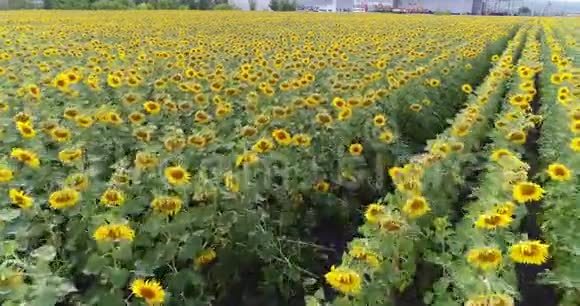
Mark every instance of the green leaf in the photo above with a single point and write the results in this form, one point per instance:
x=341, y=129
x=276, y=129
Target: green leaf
x=8, y=214
x=44, y=253
x=119, y=277
x=95, y=264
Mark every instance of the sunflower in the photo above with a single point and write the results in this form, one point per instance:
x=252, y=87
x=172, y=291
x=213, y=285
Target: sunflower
x=559, y=172
x=6, y=174
x=145, y=160
x=60, y=134
x=205, y=257
x=415, y=107
x=324, y=119
x=114, y=81
x=339, y=103
x=466, y=88
x=149, y=290
x=490, y=300
x=529, y=252
x=505, y=209
x=322, y=186
x=484, y=258
x=77, y=181
x=112, y=197
x=136, y=117
x=525, y=192
x=263, y=145
x=373, y=212
x=434, y=82
x=498, y=154
x=152, y=107
x=355, y=149
x=556, y=79
x=379, y=120
x=114, y=232
x=517, y=137
x=302, y=140
x=575, y=126
x=68, y=156
x=575, y=144
x=20, y=199
x=167, y=205
x=387, y=137
x=360, y=253
x=231, y=182
x=26, y=129
x=345, y=114
x=84, y=121
x=201, y=117
x=416, y=207
x=345, y=280
x=177, y=175
x=492, y=221
x=282, y=137
x=63, y=198
x=26, y=156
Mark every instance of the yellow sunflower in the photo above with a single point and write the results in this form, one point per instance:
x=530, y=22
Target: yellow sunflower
x=559, y=172
x=379, y=120
x=355, y=149
x=149, y=290
x=114, y=232
x=20, y=199
x=205, y=257
x=263, y=145
x=373, y=212
x=492, y=221
x=282, y=137
x=177, y=175
x=466, y=88
x=26, y=129
x=26, y=156
x=501, y=153
x=112, y=197
x=484, y=258
x=416, y=207
x=525, y=192
x=63, y=198
x=575, y=144
x=345, y=280
x=6, y=174
x=529, y=252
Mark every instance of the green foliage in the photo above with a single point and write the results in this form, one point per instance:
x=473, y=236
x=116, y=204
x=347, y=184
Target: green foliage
x=113, y=5
x=252, y=4
x=283, y=5
x=225, y=7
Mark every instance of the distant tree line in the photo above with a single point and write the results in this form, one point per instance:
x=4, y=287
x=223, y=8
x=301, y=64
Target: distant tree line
x=283, y=5
x=119, y=4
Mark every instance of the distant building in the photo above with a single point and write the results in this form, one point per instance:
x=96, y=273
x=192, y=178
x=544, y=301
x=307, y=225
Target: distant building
x=454, y=7
x=327, y=5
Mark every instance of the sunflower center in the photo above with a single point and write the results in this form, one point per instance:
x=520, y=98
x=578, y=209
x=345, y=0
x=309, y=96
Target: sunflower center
x=487, y=256
x=529, y=250
x=416, y=205
x=147, y=293
x=528, y=190
x=559, y=172
x=177, y=174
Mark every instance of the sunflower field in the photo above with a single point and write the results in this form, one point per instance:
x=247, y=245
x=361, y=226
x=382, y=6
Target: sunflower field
x=237, y=158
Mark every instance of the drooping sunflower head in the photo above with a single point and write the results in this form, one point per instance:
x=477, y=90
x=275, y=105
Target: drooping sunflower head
x=6, y=174
x=529, y=252
x=517, y=137
x=112, y=197
x=145, y=160
x=77, y=181
x=492, y=221
x=263, y=145
x=484, y=258
x=114, y=232
x=63, y=198
x=345, y=280
x=205, y=257
x=167, y=205
x=149, y=290
x=525, y=192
